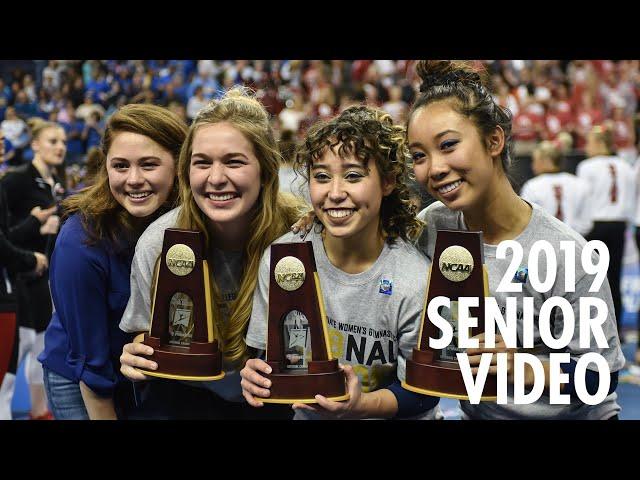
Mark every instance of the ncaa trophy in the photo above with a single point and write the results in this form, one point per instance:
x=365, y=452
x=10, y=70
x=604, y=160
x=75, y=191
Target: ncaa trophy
x=457, y=271
x=298, y=350
x=181, y=332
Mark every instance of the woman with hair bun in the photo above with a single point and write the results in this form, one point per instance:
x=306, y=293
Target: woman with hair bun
x=460, y=140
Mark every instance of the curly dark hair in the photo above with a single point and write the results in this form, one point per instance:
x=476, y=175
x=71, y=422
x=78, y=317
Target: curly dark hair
x=368, y=133
x=468, y=87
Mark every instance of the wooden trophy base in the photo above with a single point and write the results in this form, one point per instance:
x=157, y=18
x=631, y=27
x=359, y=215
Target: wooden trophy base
x=199, y=362
x=442, y=379
x=321, y=378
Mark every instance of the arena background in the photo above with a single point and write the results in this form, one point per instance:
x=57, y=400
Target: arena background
x=298, y=92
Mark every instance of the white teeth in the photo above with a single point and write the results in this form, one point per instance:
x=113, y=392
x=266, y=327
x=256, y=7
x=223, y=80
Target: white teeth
x=339, y=213
x=449, y=187
x=139, y=195
x=221, y=198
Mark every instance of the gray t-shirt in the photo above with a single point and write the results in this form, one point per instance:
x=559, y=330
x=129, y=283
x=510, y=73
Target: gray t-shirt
x=227, y=271
x=373, y=317
x=542, y=226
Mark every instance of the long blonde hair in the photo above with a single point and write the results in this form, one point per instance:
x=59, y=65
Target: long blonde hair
x=274, y=211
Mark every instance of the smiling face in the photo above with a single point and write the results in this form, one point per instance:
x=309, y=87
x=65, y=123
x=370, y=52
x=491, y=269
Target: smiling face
x=450, y=157
x=347, y=195
x=141, y=173
x=224, y=175
x=51, y=146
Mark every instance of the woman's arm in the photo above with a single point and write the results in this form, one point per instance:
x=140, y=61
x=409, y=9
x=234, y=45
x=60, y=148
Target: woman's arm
x=98, y=408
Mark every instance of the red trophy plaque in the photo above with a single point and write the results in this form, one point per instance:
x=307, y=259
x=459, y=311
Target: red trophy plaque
x=457, y=271
x=298, y=348
x=181, y=332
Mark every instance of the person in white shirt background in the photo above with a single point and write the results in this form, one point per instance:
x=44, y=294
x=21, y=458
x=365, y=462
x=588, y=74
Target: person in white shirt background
x=561, y=194
x=611, y=201
x=634, y=369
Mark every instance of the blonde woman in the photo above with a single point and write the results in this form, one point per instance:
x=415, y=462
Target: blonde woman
x=32, y=191
x=228, y=172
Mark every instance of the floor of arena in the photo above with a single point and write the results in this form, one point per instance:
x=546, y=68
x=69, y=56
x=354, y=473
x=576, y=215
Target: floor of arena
x=628, y=391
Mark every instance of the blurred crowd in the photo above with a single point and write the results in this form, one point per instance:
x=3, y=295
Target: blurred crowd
x=546, y=97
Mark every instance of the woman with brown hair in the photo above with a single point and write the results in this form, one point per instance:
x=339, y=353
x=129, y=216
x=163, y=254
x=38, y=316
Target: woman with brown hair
x=91, y=262
x=228, y=172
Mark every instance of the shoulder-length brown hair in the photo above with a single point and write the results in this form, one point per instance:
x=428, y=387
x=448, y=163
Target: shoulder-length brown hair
x=102, y=216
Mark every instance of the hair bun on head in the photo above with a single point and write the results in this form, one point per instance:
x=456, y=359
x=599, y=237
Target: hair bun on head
x=442, y=72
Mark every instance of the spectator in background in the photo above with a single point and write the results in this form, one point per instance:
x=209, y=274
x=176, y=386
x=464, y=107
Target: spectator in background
x=624, y=135
x=168, y=95
x=179, y=88
x=5, y=92
x=196, y=102
x=396, y=107
x=92, y=131
x=293, y=113
x=559, y=114
x=98, y=85
x=51, y=76
x=528, y=128
x=29, y=88
x=66, y=112
x=24, y=106
x=74, y=127
x=561, y=194
x=75, y=91
x=16, y=131
x=46, y=105
x=587, y=116
x=207, y=84
x=88, y=106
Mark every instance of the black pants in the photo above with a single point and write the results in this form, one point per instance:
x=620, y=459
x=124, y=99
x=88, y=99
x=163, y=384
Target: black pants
x=34, y=302
x=612, y=234
x=160, y=399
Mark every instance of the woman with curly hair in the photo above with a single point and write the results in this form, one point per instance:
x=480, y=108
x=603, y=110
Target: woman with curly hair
x=375, y=279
